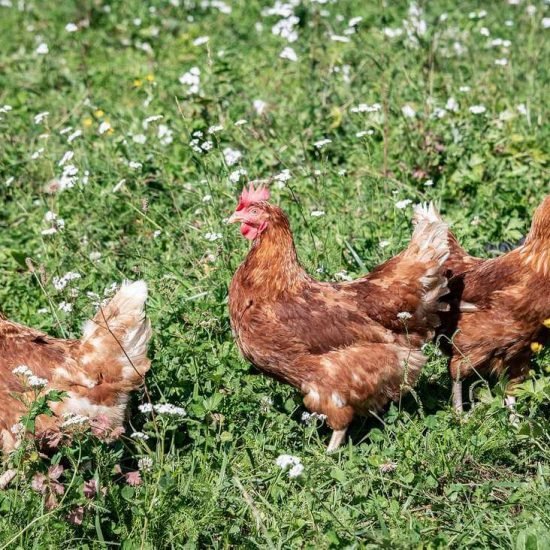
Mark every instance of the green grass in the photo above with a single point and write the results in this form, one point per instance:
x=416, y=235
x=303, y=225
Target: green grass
x=417, y=478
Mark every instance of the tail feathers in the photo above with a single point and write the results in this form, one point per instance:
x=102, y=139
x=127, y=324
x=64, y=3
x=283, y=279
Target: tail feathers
x=118, y=335
x=429, y=246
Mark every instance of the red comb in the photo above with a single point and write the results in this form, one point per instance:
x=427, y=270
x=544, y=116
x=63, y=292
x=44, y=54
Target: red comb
x=250, y=196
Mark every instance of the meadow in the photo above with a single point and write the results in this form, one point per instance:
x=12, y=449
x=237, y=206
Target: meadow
x=127, y=132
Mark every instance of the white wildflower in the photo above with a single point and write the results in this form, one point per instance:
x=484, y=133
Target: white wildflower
x=118, y=186
x=545, y=23
x=403, y=204
x=135, y=165
x=321, y=143
x=291, y=463
x=354, y=21
x=231, y=156
x=286, y=28
x=169, y=409
x=104, y=127
x=404, y=316
x=40, y=117
x=477, y=109
x=65, y=306
x=502, y=62
x=288, y=53
x=428, y=183
x=240, y=122
x=484, y=31
x=37, y=382
x=145, y=408
x=236, y=175
x=317, y=213
x=42, y=49
x=201, y=40
x=522, y=109
x=139, y=138
x=22, y=370
x=338, y=38
x=452, y=105
x=207, y=145
x=145, y=463
x=73, y=419
x=464, y=89
x=37, y=153
x=393, y=33
x=74, y=135
x=408, y=111
x=17, y=428
x=191, y=79
x=259, y=106
x=207, y=198
x=215, y=129
x=65, y=158
x=309, y=418
x=71, y=27
x=60, y=283
x=165, y=134
x=139, y=435
x=212, y=236
x=149, y=119
x=365, y=108
x=94, y=256
x=282, y=178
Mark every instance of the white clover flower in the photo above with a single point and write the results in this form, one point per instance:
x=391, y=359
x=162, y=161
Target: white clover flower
x=484, y=31
x=139, y=138
x=207, y=145
x=207, y=198
x=288, y=53
x=291, y=463
x=37, y=382
x=215, y=129
x=464, y=89
x=231, y=156
x=400, y=205
x=259, y=106
x=145, y=408
x=317, y=213
x=65, y=306
x=286, y=28
x=201, y=40
x=94, y=256
x=40, y=117
x=42, y=49
x=545, y=22
x=5, y=109
x=477, y=109
x=139, y=435
x=49, y=231
x=502, y=62
x=408, y=111
x=404, y=316
x=135, y=165
x=365, y=108
x=191, y=79
x=71, y=27
x=321, y=143
x=428, y=183
x=354, y=21
x=296, y=470
x=236, y=175
x=531, y=10
x=145, y=463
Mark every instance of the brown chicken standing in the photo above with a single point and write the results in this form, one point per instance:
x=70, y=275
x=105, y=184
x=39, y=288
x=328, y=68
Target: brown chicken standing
x=97, y=372
x=348, y=347
x=500, y=307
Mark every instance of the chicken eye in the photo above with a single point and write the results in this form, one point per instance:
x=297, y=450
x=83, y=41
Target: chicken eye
x=254, y=211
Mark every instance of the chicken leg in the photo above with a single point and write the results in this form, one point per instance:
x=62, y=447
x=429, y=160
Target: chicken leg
x=336, y=440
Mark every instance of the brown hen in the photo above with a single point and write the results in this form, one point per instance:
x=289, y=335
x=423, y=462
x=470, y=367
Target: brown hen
x=349, y=347
x=97, y=372
x=500, y=307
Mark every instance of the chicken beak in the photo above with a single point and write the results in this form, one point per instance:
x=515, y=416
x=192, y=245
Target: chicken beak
x=235, y=218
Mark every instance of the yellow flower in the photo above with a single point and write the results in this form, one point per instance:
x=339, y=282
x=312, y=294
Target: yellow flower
x=137, y=83
x=546, y=322
x=150, y=78
x=536, y=347
x=99, y=113
x=87, y=122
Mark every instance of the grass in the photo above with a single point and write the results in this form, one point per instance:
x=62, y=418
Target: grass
x=418, y=477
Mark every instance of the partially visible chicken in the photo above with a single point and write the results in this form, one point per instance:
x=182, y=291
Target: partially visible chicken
x=500, y=308
x=97, y=372
x=348, y=347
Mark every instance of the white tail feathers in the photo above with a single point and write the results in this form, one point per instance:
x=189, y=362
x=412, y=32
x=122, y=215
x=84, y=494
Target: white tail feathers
x=429, y=246
x=119, y=333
